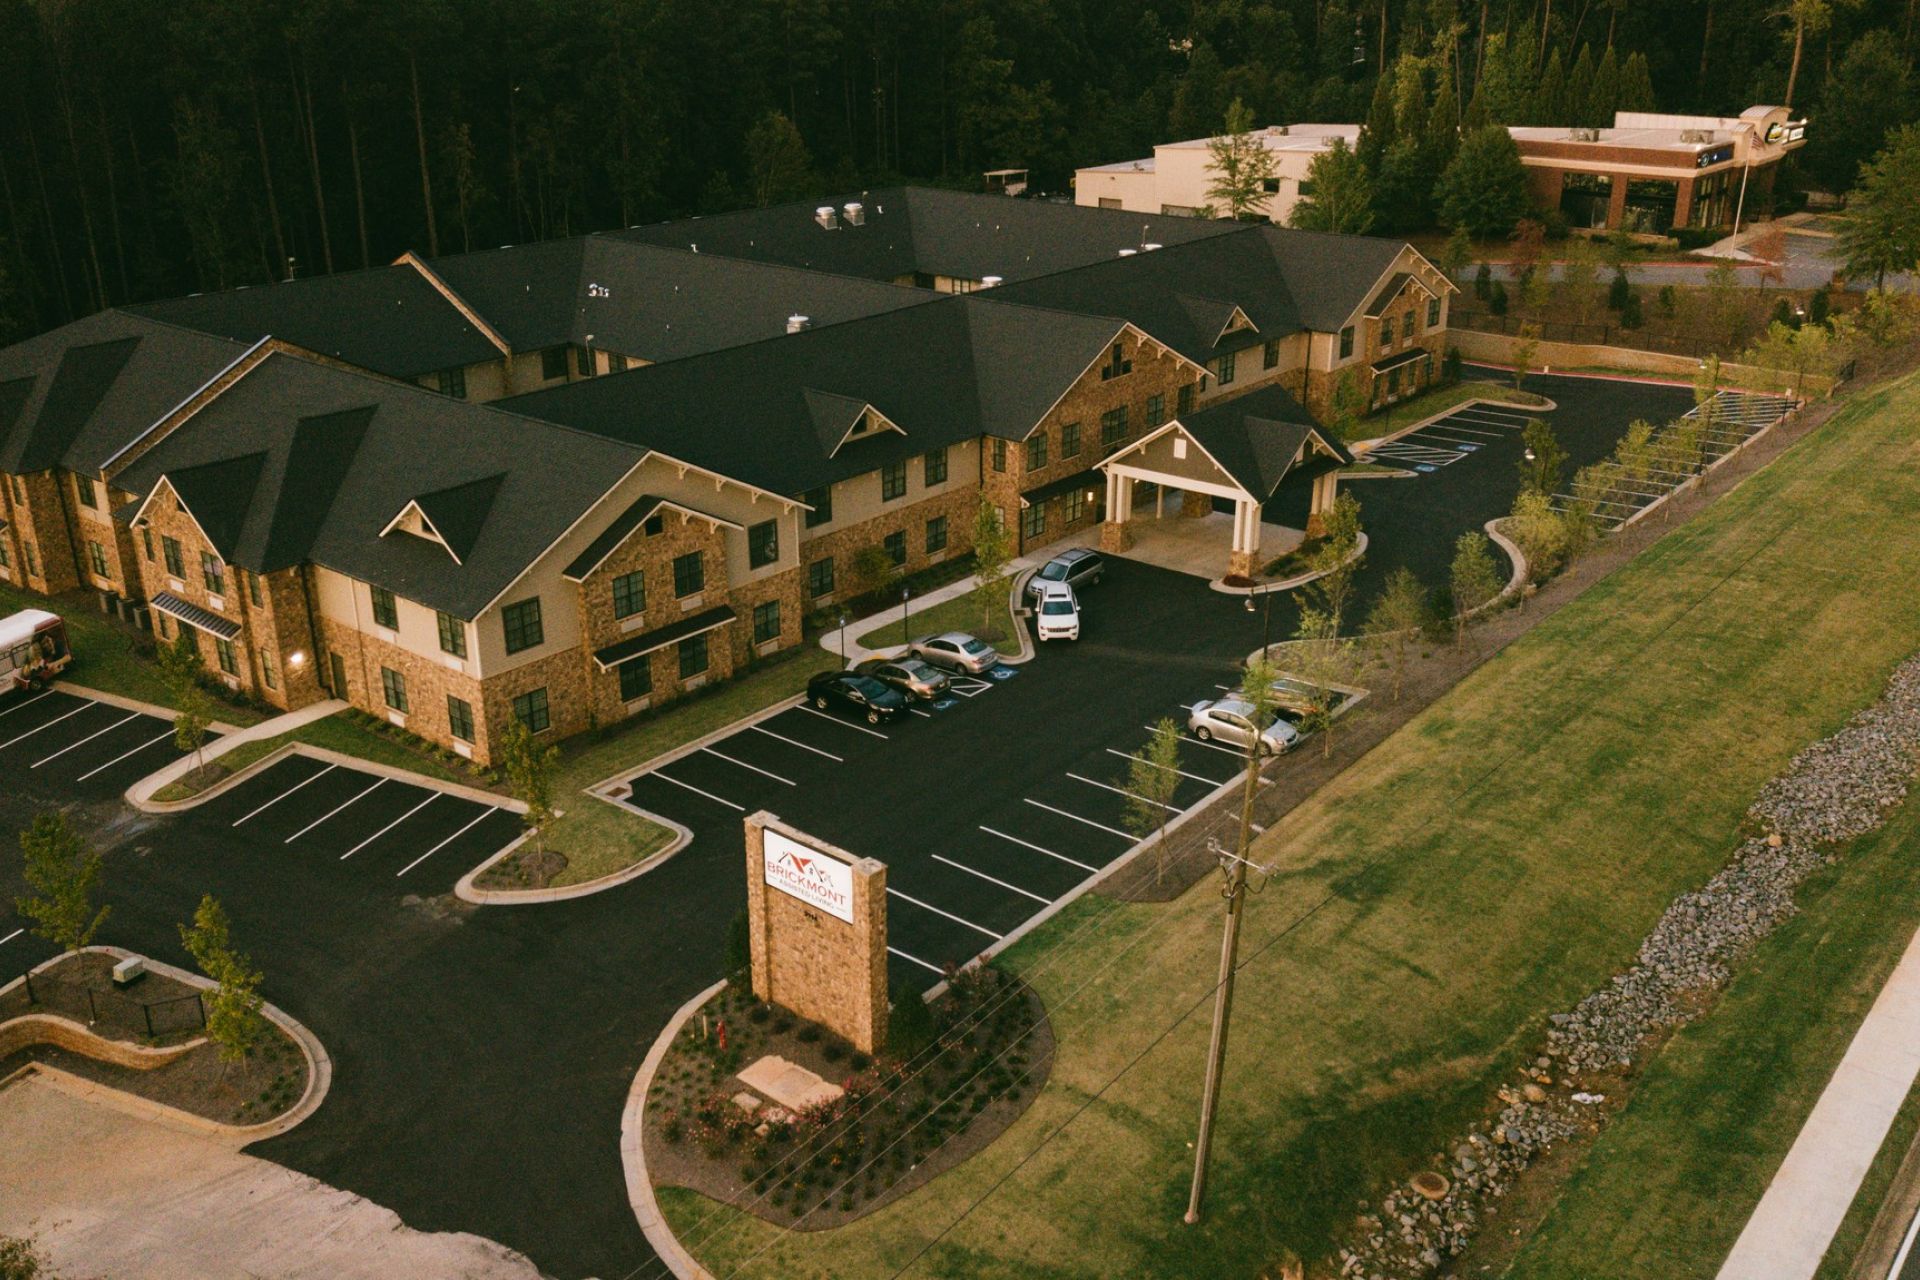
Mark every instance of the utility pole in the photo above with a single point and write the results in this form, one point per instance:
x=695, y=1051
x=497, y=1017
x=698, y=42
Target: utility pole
x=1258, y=690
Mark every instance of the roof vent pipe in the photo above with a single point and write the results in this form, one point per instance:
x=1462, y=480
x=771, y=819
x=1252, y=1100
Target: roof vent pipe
x=856, y=213
x=796, y=323
x=827, y=217
x=987, y=282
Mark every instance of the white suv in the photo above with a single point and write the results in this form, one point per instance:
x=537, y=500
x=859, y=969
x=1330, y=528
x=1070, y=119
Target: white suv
x=1057, y=615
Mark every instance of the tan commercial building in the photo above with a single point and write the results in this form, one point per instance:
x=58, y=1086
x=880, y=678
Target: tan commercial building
x=1175, y=178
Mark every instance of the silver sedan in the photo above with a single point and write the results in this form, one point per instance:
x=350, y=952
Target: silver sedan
x=957, y=651
x=1231, y=720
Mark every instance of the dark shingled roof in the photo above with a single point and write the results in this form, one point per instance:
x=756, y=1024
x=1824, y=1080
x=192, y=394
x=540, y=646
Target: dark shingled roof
x=660, y=637
x=458, y=513
x=612, y=536
x=1385, y=293
x=922, y=230
x=649, y=302
x=387, y=319
x=77, y=395
x=378, y=445
x=218, y=495
x=1257, y=436
x=945, y=372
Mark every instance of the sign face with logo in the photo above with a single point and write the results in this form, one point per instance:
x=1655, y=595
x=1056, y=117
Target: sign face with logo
x=804, y=873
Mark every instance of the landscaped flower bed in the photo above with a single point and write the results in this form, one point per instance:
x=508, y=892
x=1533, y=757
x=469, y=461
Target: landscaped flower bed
x=963, y=1071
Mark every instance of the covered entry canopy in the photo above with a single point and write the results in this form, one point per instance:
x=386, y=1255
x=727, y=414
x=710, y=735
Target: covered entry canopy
x=1239, y=449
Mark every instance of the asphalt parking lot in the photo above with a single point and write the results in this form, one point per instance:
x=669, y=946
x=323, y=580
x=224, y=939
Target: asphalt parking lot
x=482, y=1056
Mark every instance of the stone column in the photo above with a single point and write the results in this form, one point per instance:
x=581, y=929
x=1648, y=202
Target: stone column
x=1194, y=505
x=1325, y=486
x=1115, y=535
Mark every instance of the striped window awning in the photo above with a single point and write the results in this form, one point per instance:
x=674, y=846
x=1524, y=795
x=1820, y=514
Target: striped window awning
x=660, y=637
x=194, y=616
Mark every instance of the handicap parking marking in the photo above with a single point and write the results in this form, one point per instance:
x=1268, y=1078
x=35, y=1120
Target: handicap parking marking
x=1002, y=671
x=968, y=686
x=795, y=742
x=667, y=777
x=150, y=742
x=1028, y=844
x=1124, y=835
x=312, y=777
x=958, y=866
x=857, y=728
x=944, y=704
x=486, y=812
x=132, y=715
x=358, y=796
x=391, y=825
x=928, y=906
x=766, y=773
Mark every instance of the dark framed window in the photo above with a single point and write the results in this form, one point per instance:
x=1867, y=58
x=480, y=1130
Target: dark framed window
x=1113, y=428
x=936, y=534
x=821, y=500
x=393, y=688
x=146, y=541
x=453, y=635
x=223, y=653
x=636, y=678
x=693, y=656
x=460, y=712
x=999, y=455
x=530, y=709
x=266, y=669
x=521, y=625
x=1406, y=326
x=175, y=565
x=1033, y=521
x=26, y=551
x=1156, y=409
x=1183, y=400
x=6, y=557
x=689, y=575
x=97, y=557
x=1346, y=343
x=1117, y=363
x=895, y=545
x=654, y=527
x=1036, y=452
x=553, y=364
x=1270, y=356
x=934, y=466
x=820, y=578
x=583, y=361
x=1075, y=505
x=1386, y=332
x=763, y=542
x=629, y=594
x=88, y=496
x=766, y=621
x=386, y=612
x=453, y=382
x=1270, y=185
x=19, y=489
x=337, y=668
x=253, y=588
x=893, y=481
x=1433, y=312
x=213, y=573
x=616, y=363
x=1070, y=440
x=1224, y=367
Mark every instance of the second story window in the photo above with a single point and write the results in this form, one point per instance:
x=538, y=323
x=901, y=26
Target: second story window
x=1070, y=440
x=1036, y=452
x=629, y=594
x=935, y=466
x=175, y=564
x=1346, y=343
x=1270, y=358
x=88, y=496
x=522, y=626
x=453, y=382
x=1156, y=409
x=453, y=635
x=821, y=500
x=1184, y=399
x=893, y=481
x=1433, y=312
x=763, y=543
x=1117, y=363
x=1113, y=428
x=1224, y=368
x=213, y=573
x=386, y=611
x=999, y=455
x=689, y=575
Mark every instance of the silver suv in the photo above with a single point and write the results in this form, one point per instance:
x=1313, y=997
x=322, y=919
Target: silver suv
x=1078, y=568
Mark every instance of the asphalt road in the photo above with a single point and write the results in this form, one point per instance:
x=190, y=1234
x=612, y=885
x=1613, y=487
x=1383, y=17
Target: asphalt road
x=482, y=1057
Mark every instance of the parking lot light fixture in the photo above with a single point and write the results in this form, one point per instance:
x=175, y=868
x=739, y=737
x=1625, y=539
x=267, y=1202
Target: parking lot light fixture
x=905, y=593
x=843, y=639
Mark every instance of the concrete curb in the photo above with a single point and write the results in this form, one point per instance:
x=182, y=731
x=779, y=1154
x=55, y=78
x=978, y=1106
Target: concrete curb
x=833, y=641
x=1289, y=584
x=467, y=890
x=1694, y=481
x=134, y=704
x=140, y=794
x=319, y=1065
x=633, y=1156
x=461, y=790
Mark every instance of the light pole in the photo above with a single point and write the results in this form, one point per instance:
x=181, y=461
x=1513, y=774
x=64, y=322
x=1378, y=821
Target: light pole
x=843, y=639
x=905, y=633
x=1266, y=620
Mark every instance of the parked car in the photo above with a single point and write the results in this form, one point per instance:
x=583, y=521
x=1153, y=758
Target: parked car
x=1078, y=568
x=1231, y=720
x=956, y=651
x=910, y=676
x=1057, y=616
x=861, y=694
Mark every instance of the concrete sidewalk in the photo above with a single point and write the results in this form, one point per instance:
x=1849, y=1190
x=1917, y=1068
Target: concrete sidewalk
x=1795, y=1220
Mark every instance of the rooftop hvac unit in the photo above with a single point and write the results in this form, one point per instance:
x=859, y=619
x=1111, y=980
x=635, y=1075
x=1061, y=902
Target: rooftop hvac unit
x=987, y=282
x=1696, y=135
x=856, y=214
x=827, y=217
x=1278, y=130
x=796, y=323
x=1584, y=135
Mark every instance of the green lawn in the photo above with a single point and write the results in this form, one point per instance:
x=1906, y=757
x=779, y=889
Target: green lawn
x=1496, y=859
x=335, y=733
x=1670, y=1185
x=599, y=838
x=962, y=613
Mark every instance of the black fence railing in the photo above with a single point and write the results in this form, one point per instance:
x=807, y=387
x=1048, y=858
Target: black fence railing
x=107, y=1009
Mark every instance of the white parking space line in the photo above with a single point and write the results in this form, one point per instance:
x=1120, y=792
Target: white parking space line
x=29, y=702
x=1121, y=791
x=1028, y=844
x=930, y=968
x=484, y=815
x=85, y=706
x=1124, y=835
x=390, y=826
x=1468, y=427
x=1197, y=777
x=795, y=743
x=84, y=741
x=928, y=906
x=697, y=791
x=358, y=797
x=1487, y=420
x=289, y=791
x=721, y=755
x=10, y=937
x=842, y=723
x=123, y=755
x=924, y=715
x=991, y=880
x=1448, y=438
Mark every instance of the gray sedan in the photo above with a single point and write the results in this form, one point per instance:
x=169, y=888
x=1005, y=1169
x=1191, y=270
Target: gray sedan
x=1231, y=720
x=957, y=651
x=910, y=676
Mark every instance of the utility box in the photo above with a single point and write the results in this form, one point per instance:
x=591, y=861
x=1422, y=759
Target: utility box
x=129, y=971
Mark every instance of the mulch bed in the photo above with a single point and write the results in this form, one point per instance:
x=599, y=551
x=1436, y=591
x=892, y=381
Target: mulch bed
x=901, y=1123
x=524, y=868
x=269, y=1083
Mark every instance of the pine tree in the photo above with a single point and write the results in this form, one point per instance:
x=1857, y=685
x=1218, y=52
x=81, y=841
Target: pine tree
x=1636, y=85
x=1604, y=96
x=1377, y=134
x=1443, y=123
x=1580, y=88
x=1550, y=96
x=1342, y=196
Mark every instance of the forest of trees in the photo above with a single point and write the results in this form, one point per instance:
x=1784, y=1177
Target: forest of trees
x=155, y=149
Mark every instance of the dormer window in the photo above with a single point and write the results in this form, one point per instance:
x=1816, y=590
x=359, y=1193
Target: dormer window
x=1117, y=363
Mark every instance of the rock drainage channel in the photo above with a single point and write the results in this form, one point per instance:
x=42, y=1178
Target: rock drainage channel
x=1835, y=790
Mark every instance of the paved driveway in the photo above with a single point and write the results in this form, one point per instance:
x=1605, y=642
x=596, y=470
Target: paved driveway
x=483, y=1055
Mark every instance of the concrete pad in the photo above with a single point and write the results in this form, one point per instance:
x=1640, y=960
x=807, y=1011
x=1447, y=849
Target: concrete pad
x=789, y=1084
x=1200, y=545
x=106, y=1193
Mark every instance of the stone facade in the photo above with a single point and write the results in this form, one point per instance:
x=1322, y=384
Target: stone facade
x=843, y=546
x=41, y=547
x=429, y=682
x=805, y=959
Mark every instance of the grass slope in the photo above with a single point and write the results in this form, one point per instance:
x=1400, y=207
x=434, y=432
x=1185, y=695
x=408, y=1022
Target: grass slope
x=1492, y=862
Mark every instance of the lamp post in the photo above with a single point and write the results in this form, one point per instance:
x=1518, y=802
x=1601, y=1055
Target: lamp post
x=905, y=593
x=843, y=639
x=1266, y=620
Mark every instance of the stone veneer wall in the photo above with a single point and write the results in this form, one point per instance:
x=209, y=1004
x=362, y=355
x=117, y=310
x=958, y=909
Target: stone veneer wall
x=958, y=505
x=42, y=522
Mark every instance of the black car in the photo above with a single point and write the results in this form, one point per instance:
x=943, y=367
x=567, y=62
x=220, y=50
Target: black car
x=861, y=694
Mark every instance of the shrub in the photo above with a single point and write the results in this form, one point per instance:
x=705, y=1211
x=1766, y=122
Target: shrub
x=1619, y=291
x=808, y=1034
x=1669, y=301
x=1691, y=238
x=1450, y=368
x=1555, y=223
x=1497, y=298
x=1483, y=283
x=1630, y=315
x=910, y=1028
